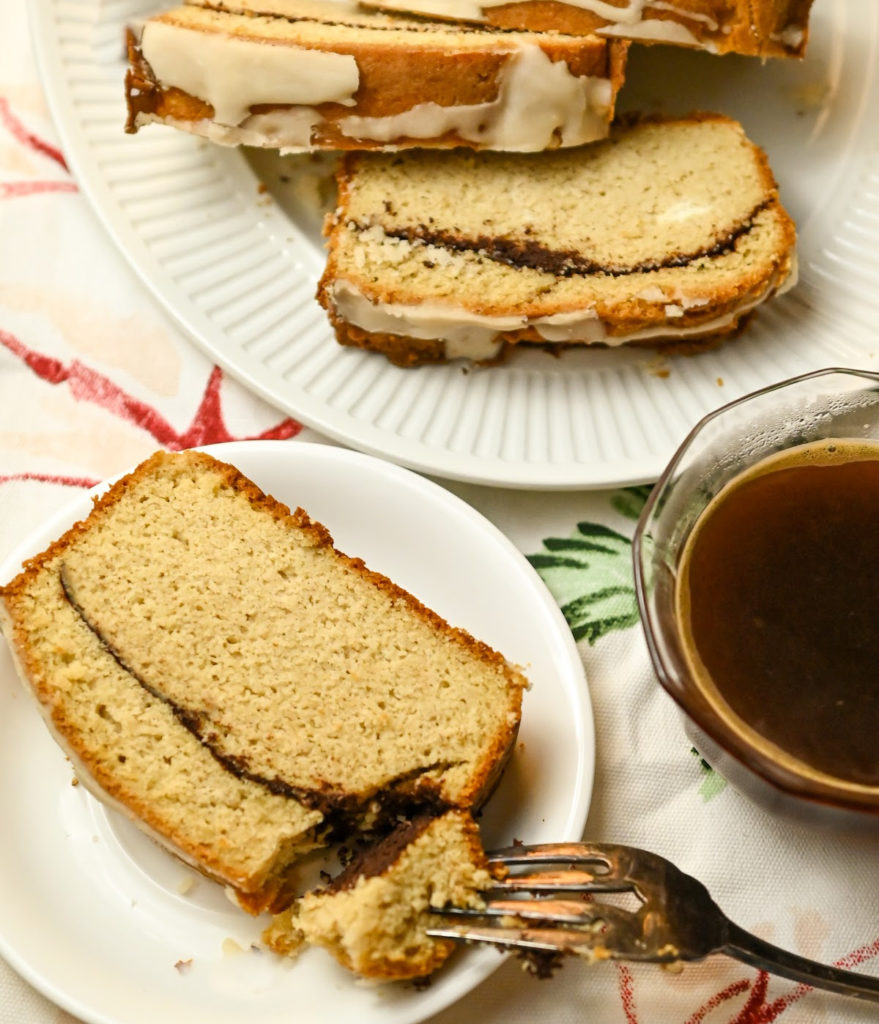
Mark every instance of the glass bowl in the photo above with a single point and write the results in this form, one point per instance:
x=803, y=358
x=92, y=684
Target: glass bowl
x=828, y=404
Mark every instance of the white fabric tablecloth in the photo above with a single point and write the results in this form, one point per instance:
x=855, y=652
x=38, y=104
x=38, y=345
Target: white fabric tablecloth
x=94, y=377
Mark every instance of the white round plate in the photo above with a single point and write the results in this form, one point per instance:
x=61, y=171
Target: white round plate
x=103, y=921
x=238, y=269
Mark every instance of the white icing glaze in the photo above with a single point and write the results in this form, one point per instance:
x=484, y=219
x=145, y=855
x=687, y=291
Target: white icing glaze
x=706, y=19
x=539, y=102
x=654, y=30
x=288, y=130
x=792, y=36
x=793, y=275
x=233, y=74
x=464, y=333
x=473, y=336
x=629, y=14
x=627, y=22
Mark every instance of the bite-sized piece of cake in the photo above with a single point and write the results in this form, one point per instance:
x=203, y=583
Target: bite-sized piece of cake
x=763, y=28
x=374, y=916
x=670, y=231
x=218, y=671
x=318, y=74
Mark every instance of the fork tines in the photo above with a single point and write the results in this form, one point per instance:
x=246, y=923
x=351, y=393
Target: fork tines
x=519, y=911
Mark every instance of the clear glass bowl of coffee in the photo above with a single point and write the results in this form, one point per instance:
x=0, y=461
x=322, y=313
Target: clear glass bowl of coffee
x=756, y=566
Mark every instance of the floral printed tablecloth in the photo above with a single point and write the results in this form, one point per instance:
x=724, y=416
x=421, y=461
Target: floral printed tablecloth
x=94, y=377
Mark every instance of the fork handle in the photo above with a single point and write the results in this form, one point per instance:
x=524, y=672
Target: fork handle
x=754, y=951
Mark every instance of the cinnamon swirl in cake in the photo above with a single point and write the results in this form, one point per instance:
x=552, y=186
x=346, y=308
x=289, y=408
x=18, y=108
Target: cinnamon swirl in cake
x=669, y=232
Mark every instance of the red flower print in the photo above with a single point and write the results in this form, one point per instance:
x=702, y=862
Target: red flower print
x=18, y=189
x=88, y=385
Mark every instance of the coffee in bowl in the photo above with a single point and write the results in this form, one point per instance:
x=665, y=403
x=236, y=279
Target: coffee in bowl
x=778, y=604
x=756, y=564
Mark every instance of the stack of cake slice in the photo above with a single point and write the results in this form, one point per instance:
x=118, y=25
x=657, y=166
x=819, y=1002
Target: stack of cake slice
x=585, y=232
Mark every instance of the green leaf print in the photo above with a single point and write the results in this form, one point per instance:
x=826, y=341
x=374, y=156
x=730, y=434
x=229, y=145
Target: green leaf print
x=712, y=782
x=630, y=501
x=590, y=572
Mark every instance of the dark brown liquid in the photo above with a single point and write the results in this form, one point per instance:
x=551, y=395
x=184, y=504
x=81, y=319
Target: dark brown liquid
x=780, y=596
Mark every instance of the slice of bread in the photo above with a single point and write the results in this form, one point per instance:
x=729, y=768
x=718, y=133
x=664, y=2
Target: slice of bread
x=218, y=671
x=314, y=74
x=669, y=232
x=373, y=918
x=762, y=28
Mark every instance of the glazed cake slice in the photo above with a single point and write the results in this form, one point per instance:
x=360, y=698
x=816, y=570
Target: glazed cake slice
x=670, y=231
x=373, y=918
x=241, y=689
x=301, y=75
x=762, y=28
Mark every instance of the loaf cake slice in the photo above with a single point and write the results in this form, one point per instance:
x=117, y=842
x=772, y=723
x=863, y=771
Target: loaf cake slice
x=241, y=689
x=762, y=28
x=670, y=231
x=373, y=917
x=303, y=75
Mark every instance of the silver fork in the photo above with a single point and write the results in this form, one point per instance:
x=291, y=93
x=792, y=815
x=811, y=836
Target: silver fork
x=532, y=909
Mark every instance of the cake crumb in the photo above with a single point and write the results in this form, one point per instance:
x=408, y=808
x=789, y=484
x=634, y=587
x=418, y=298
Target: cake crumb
x=230, y=947
x=186, y=885
x=810, y=95
x=183, y=966
x=720, y=382
x=540, y=964
x=283, y=935
x=658, y=366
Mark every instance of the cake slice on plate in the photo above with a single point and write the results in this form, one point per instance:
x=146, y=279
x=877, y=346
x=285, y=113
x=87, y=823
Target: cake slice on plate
x=219, y=672
x=303, y=75
x=669, y=232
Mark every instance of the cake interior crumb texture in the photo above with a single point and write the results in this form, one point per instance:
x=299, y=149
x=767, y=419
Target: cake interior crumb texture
x=217, y=670
x=373, y=919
